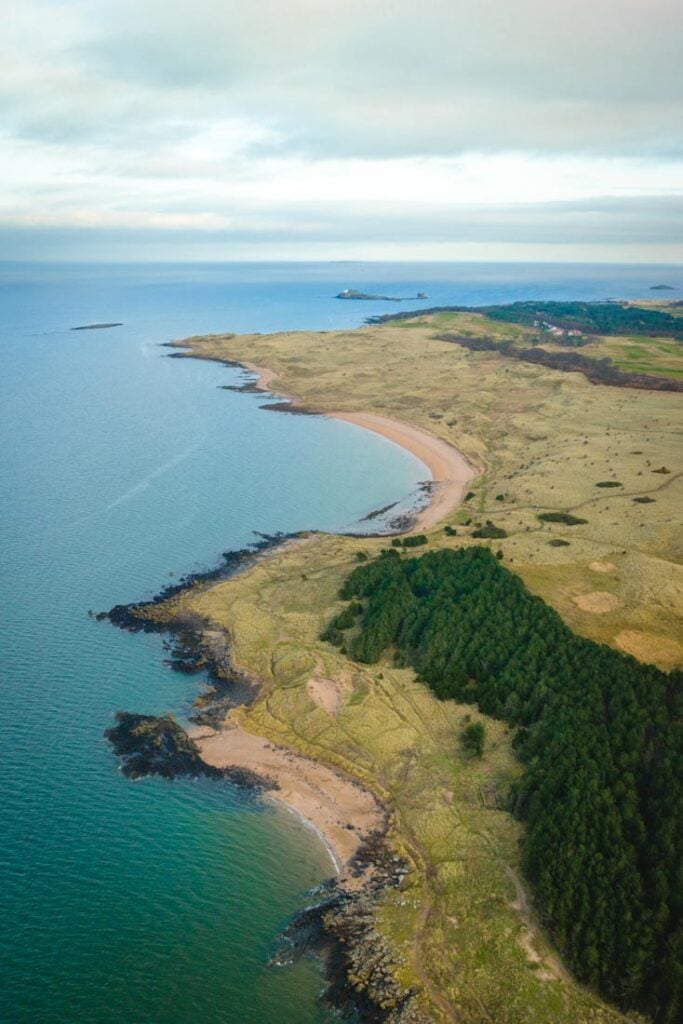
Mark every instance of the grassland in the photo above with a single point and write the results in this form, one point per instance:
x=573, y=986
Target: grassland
x=659, y=356
x=543, y=440
x=461, y=929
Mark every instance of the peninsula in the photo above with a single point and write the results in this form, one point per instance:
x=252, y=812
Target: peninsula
x=555, y=493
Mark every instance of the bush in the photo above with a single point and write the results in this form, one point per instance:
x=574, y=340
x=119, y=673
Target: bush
x=415, y=542
x=490, y=531
x=473, y=738
x=561, y=517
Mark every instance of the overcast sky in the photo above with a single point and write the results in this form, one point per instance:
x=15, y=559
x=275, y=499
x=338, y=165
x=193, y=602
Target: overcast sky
x=337, y=129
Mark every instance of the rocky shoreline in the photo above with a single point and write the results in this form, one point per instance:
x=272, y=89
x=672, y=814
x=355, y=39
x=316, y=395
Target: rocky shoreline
x=339, y=928
x=157, y=745
x=135, y=617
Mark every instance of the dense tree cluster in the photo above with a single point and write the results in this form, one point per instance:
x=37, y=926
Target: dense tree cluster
x=589, y=317
x=600, y=734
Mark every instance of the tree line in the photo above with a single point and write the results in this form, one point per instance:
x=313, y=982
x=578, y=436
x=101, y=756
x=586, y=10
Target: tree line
x=599, y=734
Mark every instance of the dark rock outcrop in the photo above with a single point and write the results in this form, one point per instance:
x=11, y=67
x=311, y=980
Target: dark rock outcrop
x=340, y=928
x=157, y=745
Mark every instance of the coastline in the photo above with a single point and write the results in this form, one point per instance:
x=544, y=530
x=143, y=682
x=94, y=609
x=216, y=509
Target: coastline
x=450, y=471
x=340, y=811
x=381, y=725
x=320, y=796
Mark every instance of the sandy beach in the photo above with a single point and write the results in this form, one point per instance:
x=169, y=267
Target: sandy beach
x=449, y=469
x=339, y=810
x=336, y=807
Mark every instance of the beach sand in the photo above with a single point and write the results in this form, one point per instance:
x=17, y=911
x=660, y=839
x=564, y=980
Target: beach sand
x=449, y=469
x=339, y=810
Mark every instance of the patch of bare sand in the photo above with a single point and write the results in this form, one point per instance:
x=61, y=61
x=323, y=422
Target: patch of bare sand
x=326, y=693
x=602, y=567
x=598, y=602
x=339, y=809
x=650, y=647
x=449, y=468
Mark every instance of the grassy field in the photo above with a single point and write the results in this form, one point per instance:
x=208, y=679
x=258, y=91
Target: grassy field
x=463, y=934
x=649, y=355
x=658, y=356
x=544, y=440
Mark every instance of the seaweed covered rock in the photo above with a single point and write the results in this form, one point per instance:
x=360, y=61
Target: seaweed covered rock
x=155, y=745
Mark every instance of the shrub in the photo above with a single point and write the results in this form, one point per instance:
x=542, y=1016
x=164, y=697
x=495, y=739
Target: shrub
x=490, y=531
x=473, y=738
x=561, y=517
x=415, y=542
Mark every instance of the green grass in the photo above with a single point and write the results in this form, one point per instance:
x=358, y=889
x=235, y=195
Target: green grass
x=542, y=438
x=476, y=945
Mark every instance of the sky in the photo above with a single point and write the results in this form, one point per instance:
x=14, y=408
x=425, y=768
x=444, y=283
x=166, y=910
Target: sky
x=341, y=129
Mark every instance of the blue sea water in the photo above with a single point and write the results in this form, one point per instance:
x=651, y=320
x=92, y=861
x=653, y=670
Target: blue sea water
x=157, y=902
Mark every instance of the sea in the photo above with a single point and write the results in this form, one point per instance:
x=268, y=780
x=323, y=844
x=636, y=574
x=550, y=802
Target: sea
x=121, y=470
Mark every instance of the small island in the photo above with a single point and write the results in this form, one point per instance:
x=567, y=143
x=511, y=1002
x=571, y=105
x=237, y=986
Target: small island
x=95, y=327
x=352, y=293
x=662, y=288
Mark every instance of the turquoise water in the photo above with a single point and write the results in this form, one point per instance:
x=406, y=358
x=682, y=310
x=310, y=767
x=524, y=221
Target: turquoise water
x=156, y=902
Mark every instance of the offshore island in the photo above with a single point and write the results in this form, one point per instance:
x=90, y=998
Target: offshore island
x=352, y=293
x=478, y=714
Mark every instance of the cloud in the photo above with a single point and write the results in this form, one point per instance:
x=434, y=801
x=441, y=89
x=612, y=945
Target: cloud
x=223, y=116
